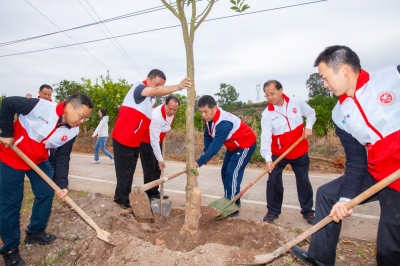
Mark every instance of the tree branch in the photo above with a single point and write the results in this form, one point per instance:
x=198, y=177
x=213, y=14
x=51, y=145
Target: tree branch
x=208, y=9
x=170, y=8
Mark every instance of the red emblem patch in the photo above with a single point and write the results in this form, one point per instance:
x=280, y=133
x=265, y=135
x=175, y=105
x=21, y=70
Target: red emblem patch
x=386, y=98
x=294, y=110
x=64, y=138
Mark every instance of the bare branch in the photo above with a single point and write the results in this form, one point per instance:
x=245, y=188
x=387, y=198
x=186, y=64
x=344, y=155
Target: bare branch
x=208, y=9
x=169, y=6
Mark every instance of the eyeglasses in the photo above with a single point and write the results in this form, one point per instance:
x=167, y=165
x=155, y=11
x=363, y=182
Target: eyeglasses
x=81, y=117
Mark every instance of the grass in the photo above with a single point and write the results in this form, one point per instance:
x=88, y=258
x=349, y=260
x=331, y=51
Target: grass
x=27, y=202
x=298, y=231
x=359, y=251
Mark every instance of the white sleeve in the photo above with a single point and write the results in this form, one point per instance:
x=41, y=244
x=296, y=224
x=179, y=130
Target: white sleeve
x=266, y=137
x=155, y=131
x=308, y=112
x=98, y=128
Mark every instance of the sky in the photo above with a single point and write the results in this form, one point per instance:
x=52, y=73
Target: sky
x=243, y=51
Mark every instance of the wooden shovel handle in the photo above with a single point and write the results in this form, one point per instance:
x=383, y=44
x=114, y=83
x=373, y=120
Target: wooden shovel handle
x=56, y=188
x=349, y=205
x=157, y=182
x=266, y=170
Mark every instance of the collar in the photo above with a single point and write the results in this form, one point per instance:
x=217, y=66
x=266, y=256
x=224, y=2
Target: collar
x=363, y=78
x=60, y=111
x=163, y=113
x=271, y=106
x=217, y=115
x=144, y=82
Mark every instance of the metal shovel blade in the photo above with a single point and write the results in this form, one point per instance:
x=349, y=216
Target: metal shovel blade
x=164, y=207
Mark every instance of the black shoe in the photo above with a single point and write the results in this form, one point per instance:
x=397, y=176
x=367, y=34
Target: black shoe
x=233, y=214
x=157, y=196
x=269, y=218
x=41, y=238
x=12, y=258
x=309, y=218
x=302, y=255
x=122, y=205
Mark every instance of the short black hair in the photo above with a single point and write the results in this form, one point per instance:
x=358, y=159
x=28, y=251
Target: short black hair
x=172, y=97
x=45, y=86
x=206, y=100
x=277, y=84
x=337, y=55
x=103, y=111
x=79, y=99
x=156, y=73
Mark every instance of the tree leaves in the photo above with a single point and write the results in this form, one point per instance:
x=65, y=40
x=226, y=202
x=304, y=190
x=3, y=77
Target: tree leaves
x=239, y=6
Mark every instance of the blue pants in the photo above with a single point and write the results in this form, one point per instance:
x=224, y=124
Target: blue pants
x=233, y=168
x=101, y=143
x=11, y=194
x=275, y=189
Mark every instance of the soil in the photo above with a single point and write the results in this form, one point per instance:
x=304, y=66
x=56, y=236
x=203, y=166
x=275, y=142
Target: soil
x=218, y=242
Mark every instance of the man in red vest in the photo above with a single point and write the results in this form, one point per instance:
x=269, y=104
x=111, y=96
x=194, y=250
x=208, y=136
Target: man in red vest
x=150, y=148
x=132, y=123
x=223, y=128
x=366, y=118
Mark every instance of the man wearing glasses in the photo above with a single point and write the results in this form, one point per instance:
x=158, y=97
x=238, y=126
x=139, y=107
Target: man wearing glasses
x=41, y=126
x=281, y=125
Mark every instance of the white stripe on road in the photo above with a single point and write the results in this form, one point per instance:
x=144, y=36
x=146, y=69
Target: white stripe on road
x=219, y=168
x=218, y=197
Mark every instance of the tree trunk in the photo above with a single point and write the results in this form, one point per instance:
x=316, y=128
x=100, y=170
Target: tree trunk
x=193, y=192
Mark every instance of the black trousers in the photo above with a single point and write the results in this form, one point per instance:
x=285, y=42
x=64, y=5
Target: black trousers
x=151, y=171
x=275, y=188
x=323, y=243
x=125, y=160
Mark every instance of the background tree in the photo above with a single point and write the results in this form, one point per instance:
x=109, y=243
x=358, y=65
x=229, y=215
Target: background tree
x=323, y=107
x=193, y=192
x=1, y=98
x=227, y=96
x=66, y=88
x=315, y=85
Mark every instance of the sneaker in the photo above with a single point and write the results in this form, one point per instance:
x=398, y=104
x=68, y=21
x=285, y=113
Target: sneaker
x=309, y=218
x=41, y=238
x=111, y=161
x=95, y=162
x=269, y=218
x=12, y=258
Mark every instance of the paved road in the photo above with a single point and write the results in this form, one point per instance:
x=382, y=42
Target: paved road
x=101, y=178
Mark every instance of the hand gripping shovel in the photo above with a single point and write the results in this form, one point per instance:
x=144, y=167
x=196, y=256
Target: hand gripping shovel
x=227, y=206
x=139, y=200
x=101, y=234
x=265, y=258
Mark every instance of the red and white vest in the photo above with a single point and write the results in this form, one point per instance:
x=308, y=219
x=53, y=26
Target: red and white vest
x=241, y=135
x=133, y=119
x=37, y=132
x=372, y=117
x=281, y=130
x=160, y=118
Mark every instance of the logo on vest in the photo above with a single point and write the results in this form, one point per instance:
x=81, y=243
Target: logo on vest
x=386, y=98
x=42, y=119
x=64, y=138
x=294, y=110
x=345, y=118
x=276, y=117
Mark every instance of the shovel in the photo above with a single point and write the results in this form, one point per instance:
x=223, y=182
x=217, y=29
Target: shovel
x=265, y=258
x=139, y=200
x=227, y=206
x=101, y=234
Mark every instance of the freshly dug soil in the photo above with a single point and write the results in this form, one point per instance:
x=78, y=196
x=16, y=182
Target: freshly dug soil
x=218, y=242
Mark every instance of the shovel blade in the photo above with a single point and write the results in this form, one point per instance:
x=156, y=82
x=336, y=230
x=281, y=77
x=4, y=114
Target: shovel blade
x=228, y=210
x=164, y=209
x=225, y=206
x=220, y=204
x=140, y=205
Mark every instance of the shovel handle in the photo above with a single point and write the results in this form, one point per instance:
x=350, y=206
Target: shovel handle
x=266, y=170
x=349, y=205
x=157, y=182
x=57, y=188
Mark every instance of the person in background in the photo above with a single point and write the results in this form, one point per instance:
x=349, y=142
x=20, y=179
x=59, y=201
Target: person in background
x=281, y=126
x=45, y=92
x=102, y=132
